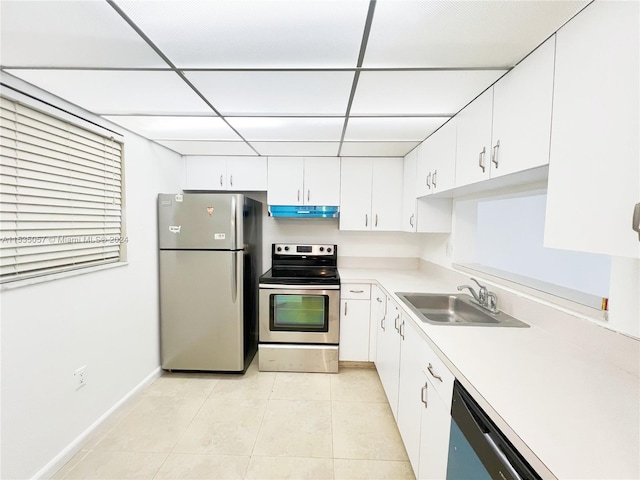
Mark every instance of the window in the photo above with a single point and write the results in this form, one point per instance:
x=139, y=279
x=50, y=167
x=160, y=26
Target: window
x=61, y=194
x=504, y=237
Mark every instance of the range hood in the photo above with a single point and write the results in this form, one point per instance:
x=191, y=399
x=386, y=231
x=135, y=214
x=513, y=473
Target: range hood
x=303, y=211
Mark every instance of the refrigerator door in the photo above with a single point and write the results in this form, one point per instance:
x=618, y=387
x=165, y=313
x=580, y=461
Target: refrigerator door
x=201, y=310
x=200, y=221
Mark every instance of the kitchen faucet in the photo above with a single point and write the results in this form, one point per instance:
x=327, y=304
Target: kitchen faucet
x=486, y=299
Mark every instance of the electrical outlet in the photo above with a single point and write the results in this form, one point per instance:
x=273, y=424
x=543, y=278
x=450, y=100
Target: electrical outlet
x=81, y=377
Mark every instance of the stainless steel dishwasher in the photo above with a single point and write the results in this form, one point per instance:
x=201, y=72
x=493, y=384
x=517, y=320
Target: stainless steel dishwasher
x=478, y=450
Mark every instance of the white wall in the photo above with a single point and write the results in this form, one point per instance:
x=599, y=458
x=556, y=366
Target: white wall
x=350, y=244
x=107, y=320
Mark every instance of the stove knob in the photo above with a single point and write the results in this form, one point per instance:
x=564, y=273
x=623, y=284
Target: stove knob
x=322, y=249
x=329, y=250
x=286, y=249
x=279, y=249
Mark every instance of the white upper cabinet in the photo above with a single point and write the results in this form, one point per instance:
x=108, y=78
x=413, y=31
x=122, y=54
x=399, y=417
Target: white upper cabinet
x=507, y=129
x=437, y=160
x=225, y=173
x=409, y=192
x=371, y=194
x=522, y=102
x=303, y=181
x=473, y=140
x=594, y=171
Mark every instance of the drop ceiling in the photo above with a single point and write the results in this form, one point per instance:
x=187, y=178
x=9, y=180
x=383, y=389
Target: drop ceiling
x=274, y=77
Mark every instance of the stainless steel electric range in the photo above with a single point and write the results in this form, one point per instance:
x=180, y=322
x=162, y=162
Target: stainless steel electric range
x=299, y=310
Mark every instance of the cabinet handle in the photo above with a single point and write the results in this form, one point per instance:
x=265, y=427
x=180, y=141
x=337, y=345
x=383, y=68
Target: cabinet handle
x=308, y=195
x=231, y=180
x=481, y=158
x=636, y=219
x=376, y=220
x=366, y=219
x=356, y=291
x=430, y=368
x=378, y=299
x=494, y=154
x=411, y=219
x=401, y=331
x=382, y=324
x=345, y=309
x=220, y=180
x=298, y=194
x=423, y=394
x=396, y=323
x=429, y=181
x=433, y=179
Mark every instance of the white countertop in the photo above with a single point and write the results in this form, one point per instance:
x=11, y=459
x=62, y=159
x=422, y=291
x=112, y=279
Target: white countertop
x=568, y=391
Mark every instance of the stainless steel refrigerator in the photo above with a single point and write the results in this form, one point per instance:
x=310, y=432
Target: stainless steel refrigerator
x=210, y=260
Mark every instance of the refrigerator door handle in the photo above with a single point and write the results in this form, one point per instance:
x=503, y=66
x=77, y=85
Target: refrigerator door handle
x=234, y=276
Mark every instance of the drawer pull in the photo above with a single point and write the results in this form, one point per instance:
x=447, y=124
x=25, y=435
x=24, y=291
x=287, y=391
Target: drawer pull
x=430, y=368
x=356, y=291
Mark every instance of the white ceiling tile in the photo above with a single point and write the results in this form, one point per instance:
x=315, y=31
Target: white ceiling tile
x=393, y=128
x=308, y=149
x=176, y=128
x=377, y=149
x=271, y=93
x=70, y=34
x=201, y=147
x=119, y=92
x=229, y=33
x=287, y=128
x=445, y=33
x=419, y=92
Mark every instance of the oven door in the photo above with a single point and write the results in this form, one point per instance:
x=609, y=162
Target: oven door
x=299, y=314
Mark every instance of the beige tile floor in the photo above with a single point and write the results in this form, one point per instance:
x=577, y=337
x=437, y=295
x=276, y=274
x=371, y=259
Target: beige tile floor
x=261, y=425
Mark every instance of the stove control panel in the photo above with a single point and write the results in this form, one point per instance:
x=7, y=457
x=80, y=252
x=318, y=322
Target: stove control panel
x=295, y=249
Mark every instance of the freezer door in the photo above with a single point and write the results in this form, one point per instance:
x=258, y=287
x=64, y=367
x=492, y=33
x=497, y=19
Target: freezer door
x=201, y=313
x=200, y=221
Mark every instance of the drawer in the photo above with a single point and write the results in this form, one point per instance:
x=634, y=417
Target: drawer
x=355, y=291
x=438, y=375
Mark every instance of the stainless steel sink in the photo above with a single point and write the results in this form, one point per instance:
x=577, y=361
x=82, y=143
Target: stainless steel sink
x=455, y=309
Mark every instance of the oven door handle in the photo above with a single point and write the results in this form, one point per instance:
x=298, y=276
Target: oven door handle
x=275, y=286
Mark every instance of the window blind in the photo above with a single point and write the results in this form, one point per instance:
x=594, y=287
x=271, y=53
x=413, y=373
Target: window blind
x=60, y=194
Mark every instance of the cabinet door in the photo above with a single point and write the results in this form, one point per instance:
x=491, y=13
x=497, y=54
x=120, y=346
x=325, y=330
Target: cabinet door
x=473, y=141
x=247, y=174
x=443, y=157
x=355, y=193
x=378, y=312
x=423, y=169
x=386, y=195
x=434, y=435
x=594, y=171
x=285, y=180
x=322, y=181
x=409, y=192
x=205, y=173
x=412, y=380
x=354, y=330
x=388, y=355
x=522, y=102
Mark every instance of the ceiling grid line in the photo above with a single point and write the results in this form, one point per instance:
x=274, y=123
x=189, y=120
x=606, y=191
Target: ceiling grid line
x=356, y=76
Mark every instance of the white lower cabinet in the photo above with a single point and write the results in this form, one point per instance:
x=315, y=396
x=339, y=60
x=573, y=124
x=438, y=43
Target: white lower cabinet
x=388, y=354
x=424, y=399
x=410, y=406
x=354, y=322
x=378, y=312
x=435, y=424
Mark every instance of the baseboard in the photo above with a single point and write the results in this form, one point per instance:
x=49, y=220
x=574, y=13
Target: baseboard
x=50, y=469
x=351, y=364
